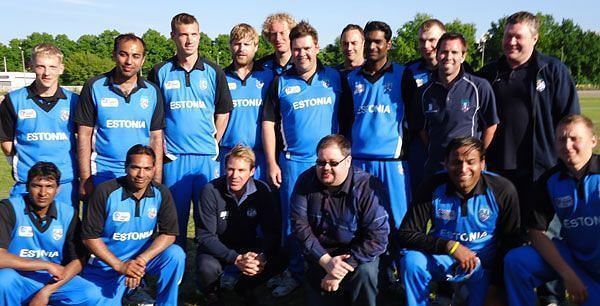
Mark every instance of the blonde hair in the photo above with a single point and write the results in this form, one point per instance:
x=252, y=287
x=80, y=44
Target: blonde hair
x=527, y=18
x=46, y=49
x=241, y=31
x=281, y=17
x=243, y=152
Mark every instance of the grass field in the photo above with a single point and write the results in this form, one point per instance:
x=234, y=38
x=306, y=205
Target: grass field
x=590, y=107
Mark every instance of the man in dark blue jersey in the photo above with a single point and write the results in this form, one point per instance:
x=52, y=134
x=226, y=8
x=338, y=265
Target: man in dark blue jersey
x=129, y=227
x=116, y=110
x=305, y=103
x=276, y=29
x=40, y=248
x=474, y=222
x=248, y=83
x=571, y=191
x=37, y=124
x=197, y=106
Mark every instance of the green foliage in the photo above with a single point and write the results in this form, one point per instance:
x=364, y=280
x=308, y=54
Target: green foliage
x=80, y=66
x=332, y=54
x=159, y=48
x=404, y=45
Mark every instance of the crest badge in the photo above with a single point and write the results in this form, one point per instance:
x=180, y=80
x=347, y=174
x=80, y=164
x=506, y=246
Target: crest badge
x=359, y=88
x=144, y=102
x=203, y=84
x=484, y=214
x=57, y=233
x=251, y=212
x=64, y=114
x=464, y=105
x=387, y=87
x=151, y=213
x=540, y=85
x=259, y=84
x=325, y=83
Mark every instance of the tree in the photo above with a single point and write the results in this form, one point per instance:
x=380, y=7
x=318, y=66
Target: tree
x=159, y=48
x=404, y=45
x=82, y=65
x=332, y=55
x=468, y=31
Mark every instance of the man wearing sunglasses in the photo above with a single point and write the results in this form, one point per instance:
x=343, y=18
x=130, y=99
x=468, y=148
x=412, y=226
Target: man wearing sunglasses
x=337, y=215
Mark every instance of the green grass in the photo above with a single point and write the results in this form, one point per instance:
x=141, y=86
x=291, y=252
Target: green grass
x=590, y=107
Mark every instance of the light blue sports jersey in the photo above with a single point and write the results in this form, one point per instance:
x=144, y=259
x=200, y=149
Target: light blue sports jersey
x=244, y=125
x=307, y=111
x=473, y=223
x=378, y=114
x=42, y=135
x=191, y=101
x=29, y=242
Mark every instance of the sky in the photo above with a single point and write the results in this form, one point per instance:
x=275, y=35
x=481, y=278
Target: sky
x=77, y=17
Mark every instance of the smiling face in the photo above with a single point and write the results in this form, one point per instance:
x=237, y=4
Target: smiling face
x=304, y=54
x=186, y=38
x=140, y=171
x=327, y=174
x=464, y=167
x=518, y=43
x=239, y=171
x=575, y=143
x=42, y=191
x=279, y=36
x=353, y=45
x=427, y=44
x=129, y=58
x=450, y=57
x=376, y=46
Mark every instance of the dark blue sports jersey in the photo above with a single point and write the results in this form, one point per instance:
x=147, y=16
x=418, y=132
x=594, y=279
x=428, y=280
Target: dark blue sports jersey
x=379, y=112
x=42, y=132
x=45, y=243
x=192, y=99
x=119, y=121
x=244, y=125
x=576, y=203
x=125, y=224
x=421, y=74
x=268, y=62
x=306, y=110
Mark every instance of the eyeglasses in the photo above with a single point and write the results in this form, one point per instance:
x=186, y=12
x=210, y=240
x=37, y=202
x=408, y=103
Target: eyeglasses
x=333, y=164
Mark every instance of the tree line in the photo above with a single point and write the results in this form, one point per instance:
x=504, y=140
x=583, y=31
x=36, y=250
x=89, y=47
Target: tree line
x=91, y=54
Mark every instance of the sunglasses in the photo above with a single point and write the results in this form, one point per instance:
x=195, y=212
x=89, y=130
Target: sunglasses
x=333, y=164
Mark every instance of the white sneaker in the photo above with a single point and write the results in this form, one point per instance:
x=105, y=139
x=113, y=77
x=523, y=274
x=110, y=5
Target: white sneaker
x=286, y=285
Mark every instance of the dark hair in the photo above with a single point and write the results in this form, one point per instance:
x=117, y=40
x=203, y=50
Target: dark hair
x=379, y=26
x=127, y=37
x=45, y=170
x=304, y=29
x=182, y=18
x=430, y=23
x=335, y=139
x=525, y=17
x=352, y=26
x=139, y=149
x=471, y=143
x=452, y=36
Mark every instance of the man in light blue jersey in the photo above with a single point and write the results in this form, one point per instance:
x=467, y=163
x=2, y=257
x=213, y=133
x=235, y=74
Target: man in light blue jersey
x=276, y=29
x=40, y=248
x=304, y=104
x=197, y=107
x=36, y=124
x=571, y=192
x=117, y=109
x=248, y=83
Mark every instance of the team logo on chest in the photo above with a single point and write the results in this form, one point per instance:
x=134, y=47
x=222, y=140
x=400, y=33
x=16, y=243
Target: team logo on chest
x=464, y=105
x=144, y=102
x=121, y=216
x=387, y=87
x=292, y=90
x=358, y=88
x=563, y=202
x=27, y=114
x=109, y=102
x=259, y=84
x=325, y=83
x=174, y=84
x=251, y=212
x=25, y=231
x=151, y=213
x=203, y=84
x=57, y=233
x=540, y=85
x=64, y=114
x=483, y=214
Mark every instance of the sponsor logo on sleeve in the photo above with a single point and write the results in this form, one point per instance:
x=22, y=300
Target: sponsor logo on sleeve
x=28, y=113
x=109, y=102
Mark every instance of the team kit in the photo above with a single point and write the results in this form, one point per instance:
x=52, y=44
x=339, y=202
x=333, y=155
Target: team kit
x=428, y=180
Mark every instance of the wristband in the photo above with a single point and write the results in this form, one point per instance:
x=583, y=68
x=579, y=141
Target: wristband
x=454, y=247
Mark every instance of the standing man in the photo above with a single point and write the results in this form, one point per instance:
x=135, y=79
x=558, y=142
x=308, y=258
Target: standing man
x=36, y=125
x=422, y=68
x=305, y=102
x=276, y=29
x=383, y=95
x=248, y=83
x=129, y=227
x=454, y=103
x=570, y=191
x=40, y=248
x=474, y=221
x=237, y=230
x=352, y=42
x=338, y=217
x=197, y=106
x=116, y=110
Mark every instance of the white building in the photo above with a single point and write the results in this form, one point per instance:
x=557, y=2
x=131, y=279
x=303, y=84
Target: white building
x=12, y=80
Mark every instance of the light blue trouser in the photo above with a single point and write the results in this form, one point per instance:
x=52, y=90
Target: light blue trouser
x=186, y=177
x=260, y=164
x=290, y=171
x=67, y=192
x=17, y=288
x=418, y=269
x=525, y=269
x=168, y=266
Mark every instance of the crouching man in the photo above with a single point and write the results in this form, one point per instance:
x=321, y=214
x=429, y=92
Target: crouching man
x=474, y=222
x=570, y=191
x=238, y=230
x=40, y=249
x=129, y=227
x=339, y=219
